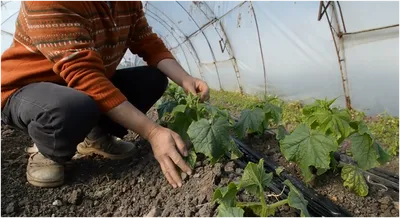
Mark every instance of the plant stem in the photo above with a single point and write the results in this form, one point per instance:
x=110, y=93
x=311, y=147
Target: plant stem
x=198, y=114
x=263, y=205
x=279, y=203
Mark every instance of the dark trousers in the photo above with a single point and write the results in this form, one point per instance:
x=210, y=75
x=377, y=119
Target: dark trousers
x=58, y=118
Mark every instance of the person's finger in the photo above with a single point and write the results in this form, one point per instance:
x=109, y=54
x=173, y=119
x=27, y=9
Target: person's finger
x=178, y=160
x=205, y=95
x=167, y=176
x=191, y=89
x=171, y=169
x=204, y=90
x=180, y=144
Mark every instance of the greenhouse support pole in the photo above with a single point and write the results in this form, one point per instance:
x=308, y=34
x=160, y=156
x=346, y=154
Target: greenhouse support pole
x=208, y=42
x=341, y=17
x=339, y=47
x=169, y=45
x=184, y=54
x=7, y=33
x=191, y=48
x=214, y=20
x=233, y=58
x=197, y=57
x=261, y=50
x=228, y=45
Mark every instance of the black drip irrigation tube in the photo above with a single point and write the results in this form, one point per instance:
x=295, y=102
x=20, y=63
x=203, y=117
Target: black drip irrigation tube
x=318, y=205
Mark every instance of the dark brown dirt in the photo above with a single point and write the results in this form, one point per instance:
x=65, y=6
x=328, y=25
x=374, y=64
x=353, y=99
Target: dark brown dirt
x=137, y=187
x=378, y=202
x=98, y=187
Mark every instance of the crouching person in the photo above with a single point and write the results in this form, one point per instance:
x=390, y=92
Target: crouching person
x=59, y=84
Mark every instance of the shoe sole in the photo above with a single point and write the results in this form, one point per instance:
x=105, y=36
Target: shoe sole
x=93, y=151
x=42, y=184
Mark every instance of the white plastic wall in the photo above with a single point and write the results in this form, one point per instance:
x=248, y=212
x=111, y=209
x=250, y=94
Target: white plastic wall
x=299, y=55
x=373, y=57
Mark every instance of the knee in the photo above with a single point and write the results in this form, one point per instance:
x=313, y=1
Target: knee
x=64, y=123
x=77, y=109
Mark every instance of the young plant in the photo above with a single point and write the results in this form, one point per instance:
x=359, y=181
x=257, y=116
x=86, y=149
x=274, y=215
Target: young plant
x=257, y=119
x=203, y=125
x=255, y=181
x=312, y=143
x=173, y=96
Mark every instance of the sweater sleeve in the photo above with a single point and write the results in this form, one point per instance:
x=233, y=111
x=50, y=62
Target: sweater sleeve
x=62, y=33
x=145, y=43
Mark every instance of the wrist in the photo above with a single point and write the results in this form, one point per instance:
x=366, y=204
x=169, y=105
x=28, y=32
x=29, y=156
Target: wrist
x=187, y=79
x=151, y=132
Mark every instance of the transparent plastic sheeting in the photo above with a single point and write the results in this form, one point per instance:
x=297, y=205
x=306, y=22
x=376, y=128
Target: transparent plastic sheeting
x=373, y=57
x=219, y=42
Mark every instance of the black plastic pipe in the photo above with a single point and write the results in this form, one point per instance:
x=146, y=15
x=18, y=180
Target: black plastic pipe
x=318, y=205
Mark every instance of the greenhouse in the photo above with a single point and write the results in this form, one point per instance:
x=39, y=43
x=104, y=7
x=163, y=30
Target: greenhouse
x=301, y=120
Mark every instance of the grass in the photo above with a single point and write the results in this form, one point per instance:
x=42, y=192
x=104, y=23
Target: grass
x=384, y=127
x=386, y=130
x=234, y=102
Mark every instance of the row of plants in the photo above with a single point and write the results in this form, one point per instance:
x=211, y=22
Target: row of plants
x=322, y=131
x=327, y=129
x=384, y=127
x=208, y=129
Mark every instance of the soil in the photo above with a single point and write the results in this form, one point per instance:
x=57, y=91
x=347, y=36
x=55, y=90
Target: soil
x=378, y=202
x=137, y=187
x=98, y=187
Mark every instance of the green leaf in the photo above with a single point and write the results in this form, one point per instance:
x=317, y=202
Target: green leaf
x=191, y=159
x=214, y=111
x=210, y=137
x=364, y=151
x=229, y=211
x=318, y=104
x=178, y=109
x=384, y=157
x=254, y=178
x=282, y=133
x=180, y=125
x=363, y=128
x=165, y=107
x=249, y=120
x=257, y=208
x=226, y=195
x=335, y=121
x=296, y=199
x=273, y=111
x=321, y=171
x=354, y=179
x=308, y=148
x=235, y=152
x=279, y=170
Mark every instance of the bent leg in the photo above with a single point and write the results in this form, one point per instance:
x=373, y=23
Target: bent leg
x=56, y=117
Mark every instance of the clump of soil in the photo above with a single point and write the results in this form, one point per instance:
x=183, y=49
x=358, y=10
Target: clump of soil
x=378, y=202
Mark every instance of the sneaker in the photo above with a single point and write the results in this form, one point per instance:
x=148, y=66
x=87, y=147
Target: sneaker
x=107, y=146
x=43, y=172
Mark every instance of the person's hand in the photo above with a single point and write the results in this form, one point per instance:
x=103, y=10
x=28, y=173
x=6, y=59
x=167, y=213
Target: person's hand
x=196, y=86
x=166, y=144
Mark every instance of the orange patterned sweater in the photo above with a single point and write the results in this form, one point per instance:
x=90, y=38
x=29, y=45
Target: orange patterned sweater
x=78, y=44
